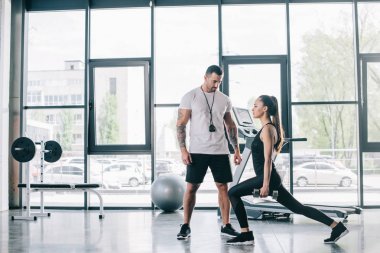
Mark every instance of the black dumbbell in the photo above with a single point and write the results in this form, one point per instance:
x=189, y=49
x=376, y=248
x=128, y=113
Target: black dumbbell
x=273, y=194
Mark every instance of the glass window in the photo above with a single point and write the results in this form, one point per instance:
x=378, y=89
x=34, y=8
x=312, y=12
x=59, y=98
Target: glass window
x=120, y=33
x=120, y=117
x=331, y=147
x=126, y=179
x=254, y=29
x=322, y=57
x=309, y=166
x=186, y=44
x=282, y=163
x=77, y=160
x=371, y=177
x=70, y=167
x=248, y=81
x=56, y=42
x=168, y=155
x=113, y=83
x=53, y=124
x=322, y=52
x=323, y=166
x=34, y=97
x=55, y=170
x=369, y=26
x=373, y=101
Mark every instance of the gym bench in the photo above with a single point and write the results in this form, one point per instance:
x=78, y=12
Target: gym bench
x=68, y=187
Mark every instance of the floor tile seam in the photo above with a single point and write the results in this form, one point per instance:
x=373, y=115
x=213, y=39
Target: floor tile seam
x=275, y=235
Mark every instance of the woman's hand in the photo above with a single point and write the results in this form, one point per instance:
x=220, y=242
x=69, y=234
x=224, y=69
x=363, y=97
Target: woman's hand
x=264, y=191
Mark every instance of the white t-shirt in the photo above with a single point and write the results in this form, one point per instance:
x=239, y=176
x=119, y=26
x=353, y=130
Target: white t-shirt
x=202, y=141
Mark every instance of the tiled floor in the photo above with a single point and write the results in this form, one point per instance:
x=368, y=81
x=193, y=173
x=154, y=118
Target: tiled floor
x=149, y=231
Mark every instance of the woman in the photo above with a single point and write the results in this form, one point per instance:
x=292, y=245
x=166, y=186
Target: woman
x=265, y=145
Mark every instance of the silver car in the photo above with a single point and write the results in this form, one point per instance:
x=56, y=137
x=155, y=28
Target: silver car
x=322, y=173
x=123, y=174
x=66, y=173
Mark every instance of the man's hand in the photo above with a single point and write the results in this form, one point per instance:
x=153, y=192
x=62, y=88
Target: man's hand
x=186, y=157
x=237, y=157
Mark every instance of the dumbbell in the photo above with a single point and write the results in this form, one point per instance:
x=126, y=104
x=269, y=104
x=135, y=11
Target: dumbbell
x=23, y=150
x=273, y=194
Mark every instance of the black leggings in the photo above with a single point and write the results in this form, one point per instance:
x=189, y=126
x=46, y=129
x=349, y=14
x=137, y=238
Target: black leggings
x=286, y=199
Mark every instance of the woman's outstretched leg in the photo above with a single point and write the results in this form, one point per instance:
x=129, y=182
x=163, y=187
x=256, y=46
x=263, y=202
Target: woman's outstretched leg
x=286, y=199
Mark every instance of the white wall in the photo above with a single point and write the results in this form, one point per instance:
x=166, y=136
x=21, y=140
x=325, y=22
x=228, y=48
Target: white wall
x=5, y=25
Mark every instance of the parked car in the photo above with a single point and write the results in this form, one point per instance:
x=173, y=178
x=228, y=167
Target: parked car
x=123, y=174
x=163, y=167
x=72, y=160
x=136, y=163
x=66, y=161
x=94, y=165
x=322, y=173
x=104, y=161
x=67, y=173
x=300, y=159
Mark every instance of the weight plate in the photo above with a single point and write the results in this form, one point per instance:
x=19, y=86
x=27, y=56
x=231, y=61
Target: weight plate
x=23, y=149
x=55, y=151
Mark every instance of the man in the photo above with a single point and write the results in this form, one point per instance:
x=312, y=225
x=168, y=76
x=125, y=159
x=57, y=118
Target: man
x=208, y=109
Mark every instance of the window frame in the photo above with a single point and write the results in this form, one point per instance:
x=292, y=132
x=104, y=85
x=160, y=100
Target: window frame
x=94, y=148
x=368, y=146
x=259, y=60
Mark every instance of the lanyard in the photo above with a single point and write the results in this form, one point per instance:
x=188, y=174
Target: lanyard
x=208, y=105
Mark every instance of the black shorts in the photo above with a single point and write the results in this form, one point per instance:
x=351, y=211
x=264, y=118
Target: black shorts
x=219, y=164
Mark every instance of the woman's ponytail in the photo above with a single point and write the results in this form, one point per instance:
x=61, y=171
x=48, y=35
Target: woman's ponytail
x=274, y=111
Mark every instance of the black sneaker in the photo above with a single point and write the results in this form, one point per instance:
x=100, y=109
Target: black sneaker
x=244, y=238
x=337, y=232
x=184, y=233
x=228, y=230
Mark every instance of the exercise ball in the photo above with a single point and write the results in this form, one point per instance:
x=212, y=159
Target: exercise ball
x=167, y=192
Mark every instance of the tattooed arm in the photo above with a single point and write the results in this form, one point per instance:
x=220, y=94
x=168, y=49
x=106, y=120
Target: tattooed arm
x=183, y=118
x=233, y=136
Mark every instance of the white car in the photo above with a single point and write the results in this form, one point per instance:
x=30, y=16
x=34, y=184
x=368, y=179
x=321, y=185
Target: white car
x=322, y=173
x=72, y=173
x=72, y=160
x=123, y=174
x=66, y=173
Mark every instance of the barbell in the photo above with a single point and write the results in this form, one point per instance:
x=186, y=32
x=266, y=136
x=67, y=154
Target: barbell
x=23, y=150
